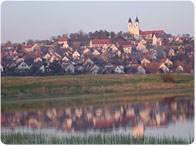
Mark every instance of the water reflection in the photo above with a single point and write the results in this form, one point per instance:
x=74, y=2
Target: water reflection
x=137, y=116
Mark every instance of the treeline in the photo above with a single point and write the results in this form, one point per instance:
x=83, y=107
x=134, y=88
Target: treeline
x=86, y=37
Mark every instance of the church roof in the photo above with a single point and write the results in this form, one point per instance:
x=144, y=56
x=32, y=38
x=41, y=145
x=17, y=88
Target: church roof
x=136, y=20
x=151, y=32
x=130, y=20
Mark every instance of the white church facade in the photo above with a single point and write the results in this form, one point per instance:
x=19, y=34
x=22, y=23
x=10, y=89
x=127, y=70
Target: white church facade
x=134, y=29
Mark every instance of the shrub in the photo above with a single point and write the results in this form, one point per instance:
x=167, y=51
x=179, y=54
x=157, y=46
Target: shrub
x=168, y=79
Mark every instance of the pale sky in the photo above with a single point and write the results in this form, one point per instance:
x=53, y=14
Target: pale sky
x=22, y=20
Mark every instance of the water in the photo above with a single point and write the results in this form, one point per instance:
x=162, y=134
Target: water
x=169, y=117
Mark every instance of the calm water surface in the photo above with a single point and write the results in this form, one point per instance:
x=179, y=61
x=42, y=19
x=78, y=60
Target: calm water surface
x=169, y=117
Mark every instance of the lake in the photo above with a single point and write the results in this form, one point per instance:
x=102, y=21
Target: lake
x=169, y=117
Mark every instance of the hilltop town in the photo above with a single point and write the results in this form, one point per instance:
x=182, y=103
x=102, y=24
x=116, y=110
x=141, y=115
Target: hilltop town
x=101, y=52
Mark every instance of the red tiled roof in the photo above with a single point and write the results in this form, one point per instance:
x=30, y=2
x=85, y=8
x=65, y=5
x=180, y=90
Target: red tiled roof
x=63, y=39
x=151, y=32
x=101, y=41
x=147, y=56
x=27, y=46
x=19, y=54
x=18, y=63
x=8, y=46
x=122, y=43
x=134, y=62
x=163, y=59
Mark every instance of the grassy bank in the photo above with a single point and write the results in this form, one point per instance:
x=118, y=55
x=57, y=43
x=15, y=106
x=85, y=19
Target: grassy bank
x=92, y=89
x=19, y=138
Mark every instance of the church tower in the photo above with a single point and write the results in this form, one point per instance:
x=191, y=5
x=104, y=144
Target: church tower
x=133, y=29
x=130, y=25
x=136, y=27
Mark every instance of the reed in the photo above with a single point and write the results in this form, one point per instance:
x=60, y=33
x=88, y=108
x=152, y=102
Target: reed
x=27, y=138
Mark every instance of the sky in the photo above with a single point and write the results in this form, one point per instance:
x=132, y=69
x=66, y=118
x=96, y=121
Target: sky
x=41, y=20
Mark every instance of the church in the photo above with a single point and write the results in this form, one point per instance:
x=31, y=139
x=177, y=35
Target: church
x=134, y=29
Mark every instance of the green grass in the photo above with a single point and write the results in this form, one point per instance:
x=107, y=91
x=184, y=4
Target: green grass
x=28, y=91
x=25, y=138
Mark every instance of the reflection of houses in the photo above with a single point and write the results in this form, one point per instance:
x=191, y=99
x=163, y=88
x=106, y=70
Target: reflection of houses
x=151, y=115
x=67, y=124
x=78, y=112
x=138, y=130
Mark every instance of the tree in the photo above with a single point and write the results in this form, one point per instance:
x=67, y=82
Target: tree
x=120, y=35
x=8, y=43
x=73, y=36
x=65, y=35
x=55, y=67
x=112, y=35
x=30, y=42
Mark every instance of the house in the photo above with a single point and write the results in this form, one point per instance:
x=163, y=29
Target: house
x=46, y=56
x=29, y=48
x=38, y=59
x=76, y=55
x=118, y=53
x=7, y=46
x=12, y=65
x=69, y=68
x=19, y=60
x=42, y=68
x=140, y=70
x=95, y=69
x=53, y=58
x=108, y=68
x=86, y=50
x=136, y=69
x=3, y=66
x=179, y=69
x=96, y=53
x=126, y=46
x=145, y=61
x=156, y=41
x=63, y=41
x=164, y=68
x=119, y=69
x=167, y=62
x=88, y=62
x=171, y=52
x=65, y=58
x=114, y=48
x=100, y=42
x=141, y=46
x=22, y=66
x=133, y=63
x=57, y=55
x=127, y=50
x=79, y=69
